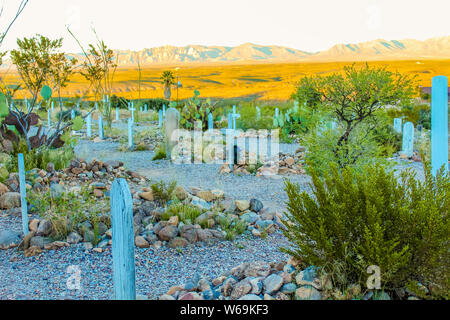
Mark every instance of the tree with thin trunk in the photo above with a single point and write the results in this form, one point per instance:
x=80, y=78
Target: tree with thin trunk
x=355, y=96
x=167, y=80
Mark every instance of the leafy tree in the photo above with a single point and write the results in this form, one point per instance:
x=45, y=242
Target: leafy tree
x=39, y=61
x=167, y=79
x=98, y=69
x=355, y=96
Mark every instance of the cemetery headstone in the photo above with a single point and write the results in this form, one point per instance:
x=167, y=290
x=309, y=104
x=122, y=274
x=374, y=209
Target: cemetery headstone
x=398, y=125
x=23, y=194
x=408, y=139
x=172, y=123
x=439, y=124
x=124, y=273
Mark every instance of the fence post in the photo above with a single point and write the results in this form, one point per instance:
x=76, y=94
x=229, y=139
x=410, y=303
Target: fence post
x=124, y=274
x=130, y=133
x=23, y=194
x=89, y=125
x=100, y=127
x=439, y=124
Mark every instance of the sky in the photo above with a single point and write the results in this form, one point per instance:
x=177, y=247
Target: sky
x=312, y=25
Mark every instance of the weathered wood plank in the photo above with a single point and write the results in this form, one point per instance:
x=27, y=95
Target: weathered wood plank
x=124, y=275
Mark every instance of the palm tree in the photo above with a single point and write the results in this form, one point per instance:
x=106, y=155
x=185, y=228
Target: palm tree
x=167, y=79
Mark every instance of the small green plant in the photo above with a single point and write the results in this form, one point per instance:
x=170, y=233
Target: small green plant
x=160, y=153
x=162, y=191
x=68, y=210
x=232, y=227
x=39, y=158
x=186, y=213
x=358, y=218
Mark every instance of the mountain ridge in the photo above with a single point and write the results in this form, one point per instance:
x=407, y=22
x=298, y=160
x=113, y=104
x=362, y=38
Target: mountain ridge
x=379, y=49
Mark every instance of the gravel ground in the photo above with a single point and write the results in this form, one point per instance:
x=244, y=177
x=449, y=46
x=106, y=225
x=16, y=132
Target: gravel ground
x=45, y=276
x=207, y=176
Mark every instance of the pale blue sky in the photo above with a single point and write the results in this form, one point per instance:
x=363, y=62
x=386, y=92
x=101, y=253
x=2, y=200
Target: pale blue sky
x=307, y=25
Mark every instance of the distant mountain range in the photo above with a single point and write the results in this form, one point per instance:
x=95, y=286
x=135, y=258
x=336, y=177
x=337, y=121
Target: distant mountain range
x=434, y=48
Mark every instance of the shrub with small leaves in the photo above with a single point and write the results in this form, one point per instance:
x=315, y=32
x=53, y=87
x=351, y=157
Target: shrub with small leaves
x=355, y=219
x=162, y=191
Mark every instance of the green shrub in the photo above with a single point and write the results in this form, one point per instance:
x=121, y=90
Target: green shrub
x=162, y=191
x=361, y=149
x=160, y=153
x=355, y=219
x=232, y=227
x=39, y=158
x=68, y=211
x=186, y=213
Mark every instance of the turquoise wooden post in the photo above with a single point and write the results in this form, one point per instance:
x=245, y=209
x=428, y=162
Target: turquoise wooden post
x=164, y=111
x=398, y=125
x=23, y=194
x=100, y=127
x=89, y=125
x=230, y=146
x=277, y=112
x=230, y=121
x=210, y=121
x=258, y=113
x=235, y=116
x=439, y=124
x=124, y=274
x=132, y=111
x=49, y=119
x=145, y=108
x=408, y=139
x=160, y=118
x=130, y=133
x=117, y=114
x=53, y=106
x=96, y=106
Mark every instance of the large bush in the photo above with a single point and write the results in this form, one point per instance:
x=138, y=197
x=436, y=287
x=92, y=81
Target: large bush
x=355, y=219
x=354, y=98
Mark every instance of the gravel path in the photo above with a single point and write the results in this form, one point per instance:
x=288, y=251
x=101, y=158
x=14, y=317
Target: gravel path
x=269, y=190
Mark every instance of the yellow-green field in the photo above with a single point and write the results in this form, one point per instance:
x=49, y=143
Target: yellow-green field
x=260, y=81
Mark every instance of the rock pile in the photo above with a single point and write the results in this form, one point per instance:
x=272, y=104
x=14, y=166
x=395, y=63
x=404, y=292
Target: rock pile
x=255, y=281
x=154, y=226
x=287, y=164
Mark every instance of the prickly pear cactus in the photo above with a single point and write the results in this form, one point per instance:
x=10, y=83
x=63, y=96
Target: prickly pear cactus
x=4, y=109
x=46, y=92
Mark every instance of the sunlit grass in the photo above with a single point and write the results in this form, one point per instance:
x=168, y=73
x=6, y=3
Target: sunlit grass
x=261, y=81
